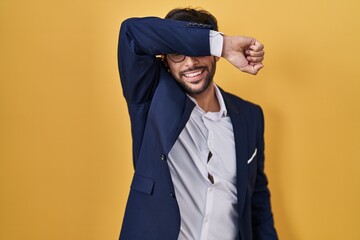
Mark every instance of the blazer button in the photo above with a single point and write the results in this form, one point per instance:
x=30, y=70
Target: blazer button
x=172, y=195
x=163, y=157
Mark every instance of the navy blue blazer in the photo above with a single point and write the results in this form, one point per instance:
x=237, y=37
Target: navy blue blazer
x=159, y=110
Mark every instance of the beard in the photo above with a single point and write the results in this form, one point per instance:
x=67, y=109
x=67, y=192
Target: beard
x=207, y=80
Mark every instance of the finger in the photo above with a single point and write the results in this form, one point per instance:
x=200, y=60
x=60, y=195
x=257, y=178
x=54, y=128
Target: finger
x=257, y=67
x=255, y=59
x=253, y=63
x=254, y=53
x=258, y=46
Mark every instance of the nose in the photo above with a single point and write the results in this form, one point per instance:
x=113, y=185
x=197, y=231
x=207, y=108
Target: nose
x=191, y=61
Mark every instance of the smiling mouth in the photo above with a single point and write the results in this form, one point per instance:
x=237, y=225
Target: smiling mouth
x=193, y=74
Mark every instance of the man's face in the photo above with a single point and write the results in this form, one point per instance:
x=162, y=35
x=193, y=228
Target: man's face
x=194, y=74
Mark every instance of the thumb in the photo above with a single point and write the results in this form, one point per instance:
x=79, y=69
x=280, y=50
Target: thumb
x=252, y=69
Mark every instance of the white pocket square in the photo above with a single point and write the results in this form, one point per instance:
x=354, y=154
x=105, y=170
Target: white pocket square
x=252, y=157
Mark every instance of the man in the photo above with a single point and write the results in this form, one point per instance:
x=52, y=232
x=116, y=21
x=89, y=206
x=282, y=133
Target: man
x=198, y=151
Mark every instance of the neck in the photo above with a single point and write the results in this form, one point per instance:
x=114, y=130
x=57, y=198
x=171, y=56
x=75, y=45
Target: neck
x=207, y=100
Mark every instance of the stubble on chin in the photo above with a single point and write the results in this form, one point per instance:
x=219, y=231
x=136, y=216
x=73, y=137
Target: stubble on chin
x=192, y=90
x=208, y=80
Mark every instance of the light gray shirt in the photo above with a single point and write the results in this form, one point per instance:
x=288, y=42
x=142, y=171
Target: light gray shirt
x=202, y=164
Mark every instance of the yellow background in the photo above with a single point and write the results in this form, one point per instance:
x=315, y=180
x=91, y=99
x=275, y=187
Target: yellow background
x=65, y=145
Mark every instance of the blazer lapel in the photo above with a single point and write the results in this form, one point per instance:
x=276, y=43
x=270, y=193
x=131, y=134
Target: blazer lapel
x=241, y=147
x=171, y=111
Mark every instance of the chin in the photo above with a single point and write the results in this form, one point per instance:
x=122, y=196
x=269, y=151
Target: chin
x=196, y=90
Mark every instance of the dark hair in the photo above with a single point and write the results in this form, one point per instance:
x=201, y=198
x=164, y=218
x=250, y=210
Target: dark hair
x=193, y=15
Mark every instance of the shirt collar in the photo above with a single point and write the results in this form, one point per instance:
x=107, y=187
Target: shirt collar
x=220, y=98
x=213, y=115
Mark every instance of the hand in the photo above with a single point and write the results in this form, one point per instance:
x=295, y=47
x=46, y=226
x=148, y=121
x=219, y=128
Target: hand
x=245, y=53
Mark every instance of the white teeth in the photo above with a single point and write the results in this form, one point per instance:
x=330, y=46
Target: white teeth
x=192, y=74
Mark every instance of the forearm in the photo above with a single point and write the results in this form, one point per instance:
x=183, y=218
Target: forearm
x=262, y=218
x=141, y=39
x=153, y=36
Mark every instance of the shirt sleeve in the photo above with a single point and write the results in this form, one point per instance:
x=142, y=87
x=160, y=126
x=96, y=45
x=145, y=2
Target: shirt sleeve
x=216, y=43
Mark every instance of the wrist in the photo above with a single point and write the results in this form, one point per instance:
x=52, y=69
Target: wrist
x=226, y=46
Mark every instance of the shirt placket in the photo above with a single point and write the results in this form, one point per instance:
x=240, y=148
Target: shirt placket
x=210, y=186
x=208, y=212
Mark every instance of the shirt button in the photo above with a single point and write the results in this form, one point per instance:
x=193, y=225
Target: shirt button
x=210, y=189
x=163, y=157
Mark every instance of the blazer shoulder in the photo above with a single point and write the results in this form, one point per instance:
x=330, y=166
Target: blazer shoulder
x=240, y=103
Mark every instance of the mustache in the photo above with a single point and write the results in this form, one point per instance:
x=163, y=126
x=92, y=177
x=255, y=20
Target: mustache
x=193, y=69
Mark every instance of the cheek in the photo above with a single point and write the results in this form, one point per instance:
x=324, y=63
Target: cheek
x=171, y=68
x=174, y=70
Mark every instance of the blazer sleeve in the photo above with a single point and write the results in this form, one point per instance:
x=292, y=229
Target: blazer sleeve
x=141, y=39
x=262, y=218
